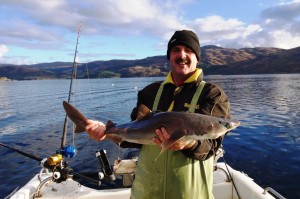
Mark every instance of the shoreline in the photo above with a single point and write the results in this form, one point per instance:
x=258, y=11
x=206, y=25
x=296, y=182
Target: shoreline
x=4, y=79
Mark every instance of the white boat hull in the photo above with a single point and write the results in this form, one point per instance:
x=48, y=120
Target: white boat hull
x=223, y=188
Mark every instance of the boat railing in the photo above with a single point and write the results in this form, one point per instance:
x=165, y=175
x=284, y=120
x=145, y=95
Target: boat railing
x=273, y=192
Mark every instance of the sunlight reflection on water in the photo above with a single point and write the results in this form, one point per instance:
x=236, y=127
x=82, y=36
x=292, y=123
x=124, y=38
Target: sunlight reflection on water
x=31, y=115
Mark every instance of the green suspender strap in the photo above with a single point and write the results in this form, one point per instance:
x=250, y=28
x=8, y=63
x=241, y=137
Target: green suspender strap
x=193, y=102
x=157, y=97
x=196, y=97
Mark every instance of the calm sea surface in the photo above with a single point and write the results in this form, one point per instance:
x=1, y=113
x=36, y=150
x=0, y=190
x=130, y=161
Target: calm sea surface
x=266, y=146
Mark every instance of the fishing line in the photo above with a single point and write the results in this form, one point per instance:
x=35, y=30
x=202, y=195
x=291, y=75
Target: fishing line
x=89, y=87
x=90, y=94
x=231, y=178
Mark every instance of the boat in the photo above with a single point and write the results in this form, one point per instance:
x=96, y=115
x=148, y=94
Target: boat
x=222, y=189
x=228, y=183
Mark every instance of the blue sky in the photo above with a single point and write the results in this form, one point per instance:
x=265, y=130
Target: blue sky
x=37, y=31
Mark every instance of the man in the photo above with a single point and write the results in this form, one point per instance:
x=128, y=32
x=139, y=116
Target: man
x=186, y=169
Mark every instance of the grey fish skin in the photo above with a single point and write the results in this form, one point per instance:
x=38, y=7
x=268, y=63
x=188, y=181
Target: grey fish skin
x=178, y=124
x=181, y=125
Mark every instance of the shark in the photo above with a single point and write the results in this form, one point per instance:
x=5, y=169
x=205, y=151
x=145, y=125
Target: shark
x=180, y=125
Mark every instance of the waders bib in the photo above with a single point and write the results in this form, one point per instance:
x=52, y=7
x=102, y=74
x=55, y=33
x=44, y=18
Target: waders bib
x=172, y=175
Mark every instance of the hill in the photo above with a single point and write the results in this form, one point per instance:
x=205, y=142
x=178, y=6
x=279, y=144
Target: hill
x=215, y=61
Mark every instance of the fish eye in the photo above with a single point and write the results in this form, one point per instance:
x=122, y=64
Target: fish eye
x=226, y=124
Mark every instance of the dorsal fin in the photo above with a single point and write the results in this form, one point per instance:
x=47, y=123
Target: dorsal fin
x=144, y=117
x=143, y=112
x=110, y=124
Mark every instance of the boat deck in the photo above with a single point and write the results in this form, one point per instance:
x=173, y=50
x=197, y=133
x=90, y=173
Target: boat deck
x=223, y=188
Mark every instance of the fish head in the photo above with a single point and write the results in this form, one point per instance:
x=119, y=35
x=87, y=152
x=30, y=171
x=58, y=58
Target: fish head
x=230, y=124
x=225, y=126
x=218, y=127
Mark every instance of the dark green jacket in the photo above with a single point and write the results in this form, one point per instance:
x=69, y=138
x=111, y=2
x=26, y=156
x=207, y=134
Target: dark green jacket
x=179, y=174
x=212, y=101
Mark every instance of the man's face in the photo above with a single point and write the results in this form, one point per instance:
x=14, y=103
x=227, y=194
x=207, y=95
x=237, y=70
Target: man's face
x=183, y=61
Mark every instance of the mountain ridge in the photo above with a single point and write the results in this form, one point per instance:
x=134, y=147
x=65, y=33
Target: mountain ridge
x=215, y=61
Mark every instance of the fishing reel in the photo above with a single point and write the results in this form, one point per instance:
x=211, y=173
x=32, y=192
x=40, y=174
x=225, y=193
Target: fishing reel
x=68, y=151
x=59, y=167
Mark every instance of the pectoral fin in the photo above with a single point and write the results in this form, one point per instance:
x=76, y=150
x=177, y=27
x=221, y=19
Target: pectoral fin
x=177, y=135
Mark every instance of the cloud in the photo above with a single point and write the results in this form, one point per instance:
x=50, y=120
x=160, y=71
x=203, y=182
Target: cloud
x=47, y=25
x=121, y=18
x=284, y=11
x=278, y=26
x=113, y=16
x=285, y=16
x=215, y=30
x=3, y=50
x=27, y=35
x=51, y=20
x=281, y=25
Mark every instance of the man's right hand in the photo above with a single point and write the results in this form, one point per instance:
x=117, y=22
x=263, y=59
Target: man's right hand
x=95, y=129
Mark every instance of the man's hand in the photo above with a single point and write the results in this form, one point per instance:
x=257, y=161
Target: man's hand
x=95, y=129
x=163, y=135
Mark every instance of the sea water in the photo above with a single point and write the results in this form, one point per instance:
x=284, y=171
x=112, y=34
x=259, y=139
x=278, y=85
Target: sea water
x=266, y=146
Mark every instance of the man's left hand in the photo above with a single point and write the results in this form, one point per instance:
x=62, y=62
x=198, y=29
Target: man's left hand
x=163, y=135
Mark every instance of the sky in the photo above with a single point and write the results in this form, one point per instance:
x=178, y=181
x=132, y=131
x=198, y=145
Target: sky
x=42, y=31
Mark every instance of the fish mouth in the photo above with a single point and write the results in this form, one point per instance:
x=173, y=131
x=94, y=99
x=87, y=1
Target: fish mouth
x=233, y=124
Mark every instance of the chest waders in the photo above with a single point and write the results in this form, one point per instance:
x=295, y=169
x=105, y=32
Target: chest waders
x=172, y=175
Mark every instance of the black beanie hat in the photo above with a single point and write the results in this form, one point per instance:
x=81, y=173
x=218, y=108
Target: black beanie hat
x=187, y=38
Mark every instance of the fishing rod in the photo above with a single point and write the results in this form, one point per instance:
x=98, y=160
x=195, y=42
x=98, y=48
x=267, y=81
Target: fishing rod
x=22, y=152
x=60, y=169
x=48, y=163
x=70, y=151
